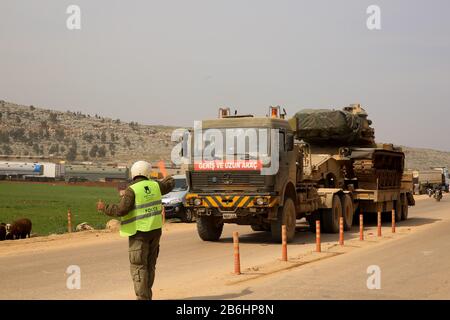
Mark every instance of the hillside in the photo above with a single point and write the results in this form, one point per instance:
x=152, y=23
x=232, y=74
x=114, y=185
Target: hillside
x=419, y=158
x=73, y=136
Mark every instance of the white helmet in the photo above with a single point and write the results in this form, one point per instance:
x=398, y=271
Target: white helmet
x=141, y=168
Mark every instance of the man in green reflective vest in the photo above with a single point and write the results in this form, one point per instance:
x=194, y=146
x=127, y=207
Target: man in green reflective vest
x=141, y=214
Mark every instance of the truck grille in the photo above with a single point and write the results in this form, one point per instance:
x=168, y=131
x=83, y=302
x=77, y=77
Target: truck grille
x=226, y=180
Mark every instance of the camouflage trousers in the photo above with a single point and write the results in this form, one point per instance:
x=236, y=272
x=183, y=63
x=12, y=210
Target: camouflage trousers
x=143, y=252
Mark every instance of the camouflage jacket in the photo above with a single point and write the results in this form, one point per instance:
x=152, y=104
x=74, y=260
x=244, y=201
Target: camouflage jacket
x=126, y=204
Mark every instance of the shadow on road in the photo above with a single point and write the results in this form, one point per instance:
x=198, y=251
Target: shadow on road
x=414, y=222
x=244, y=292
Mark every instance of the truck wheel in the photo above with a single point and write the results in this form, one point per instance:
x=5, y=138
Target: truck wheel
x=404, y=208
x=257, y=227
x=260, y=227
x=348, y=211
x=398, y=210
x=312, y=221
x=187, y=216
x=287, y=216
x=330, y=217
x=209, y=228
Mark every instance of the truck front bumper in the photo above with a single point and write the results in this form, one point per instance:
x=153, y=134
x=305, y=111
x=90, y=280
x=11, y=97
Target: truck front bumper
x=207, y=204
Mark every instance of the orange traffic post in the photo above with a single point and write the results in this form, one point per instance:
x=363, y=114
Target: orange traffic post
x=393, y=221
x=237, y=259
x=379, y=223
x=284, y=256
x=318, y=246
x=361, y=227
x=341, y=231
x=69, y=220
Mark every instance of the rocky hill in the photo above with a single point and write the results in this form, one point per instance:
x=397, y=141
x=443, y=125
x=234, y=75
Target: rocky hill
x=74, y=136
x=422, y=159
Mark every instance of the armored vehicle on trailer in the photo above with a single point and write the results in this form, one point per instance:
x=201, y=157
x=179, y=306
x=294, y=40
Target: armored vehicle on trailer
x=319, y=165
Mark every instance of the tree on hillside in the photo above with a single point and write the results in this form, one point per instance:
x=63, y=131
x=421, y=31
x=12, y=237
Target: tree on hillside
x=88, y=137
x=93, y=151
x=127, y=142
x=71, y=155
x=7, y=149
x=54, y=149
x=53, y=117
x=4, y=137
x=103, y=136
x=101, y=152
x=84, y=154
x=18, y=134
x=59, y=134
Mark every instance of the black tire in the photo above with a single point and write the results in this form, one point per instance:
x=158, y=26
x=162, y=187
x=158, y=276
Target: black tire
x=287, y=216
x=257, y=227
x=348, y=211
x=398, y=210
x=260, y=227
x=405, y=208
x=187, y=216
x=312, y=221
x=209, y=228
x=330, y=217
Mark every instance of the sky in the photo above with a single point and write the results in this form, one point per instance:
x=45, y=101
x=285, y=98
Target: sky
x=172, y=62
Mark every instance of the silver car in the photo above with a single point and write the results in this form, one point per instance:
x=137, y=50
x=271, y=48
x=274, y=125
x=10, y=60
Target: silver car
x=174, y=201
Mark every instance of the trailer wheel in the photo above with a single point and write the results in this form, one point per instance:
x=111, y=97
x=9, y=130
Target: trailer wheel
x=348, y=212
x=330, y=217
x=287, y=216
x=312, y=221
x=398, y=210
x=209, y=228
x=260, y=227
x=404, y=208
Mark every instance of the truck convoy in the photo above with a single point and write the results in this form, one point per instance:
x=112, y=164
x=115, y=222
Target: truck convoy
x=431, y=179
x=329, y=166
x=50, y=171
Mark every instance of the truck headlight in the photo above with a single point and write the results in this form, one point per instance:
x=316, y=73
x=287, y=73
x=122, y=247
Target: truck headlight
x=198, y=202
x=259, y=201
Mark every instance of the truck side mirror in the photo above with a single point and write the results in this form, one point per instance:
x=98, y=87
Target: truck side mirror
x=289, y=142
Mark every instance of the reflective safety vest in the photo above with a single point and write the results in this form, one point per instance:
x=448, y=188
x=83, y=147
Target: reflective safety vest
x=146, y=215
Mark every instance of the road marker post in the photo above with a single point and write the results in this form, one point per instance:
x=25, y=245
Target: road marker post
x=379, y=224
x=318, y=245
x=341, y=231
x=69, y=221
x=361, y=227
x=284, y=256
x=393, y=221
x=237, y=259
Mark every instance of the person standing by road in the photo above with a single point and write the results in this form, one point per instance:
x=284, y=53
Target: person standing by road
x=141, y=214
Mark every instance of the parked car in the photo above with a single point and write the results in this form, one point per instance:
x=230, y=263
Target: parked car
x=174, y=201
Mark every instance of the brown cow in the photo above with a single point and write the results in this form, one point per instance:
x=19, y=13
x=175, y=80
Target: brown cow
x=2, y=231
x=20, y=229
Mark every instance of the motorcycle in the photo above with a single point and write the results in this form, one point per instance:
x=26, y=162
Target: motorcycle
x=438, y=194
x=430, y=192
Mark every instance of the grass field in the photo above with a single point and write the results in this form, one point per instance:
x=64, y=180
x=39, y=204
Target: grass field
x=46, y=205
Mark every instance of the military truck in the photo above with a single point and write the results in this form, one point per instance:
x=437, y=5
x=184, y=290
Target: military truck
x=430, y=179
x=328, y=167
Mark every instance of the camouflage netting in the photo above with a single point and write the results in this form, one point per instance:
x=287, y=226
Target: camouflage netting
x=325, y=125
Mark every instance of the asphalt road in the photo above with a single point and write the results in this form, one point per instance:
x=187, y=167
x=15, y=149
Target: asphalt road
x=414, y=265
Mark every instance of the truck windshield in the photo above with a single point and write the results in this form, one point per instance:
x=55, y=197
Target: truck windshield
x=180, y=184
x=232, y=143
